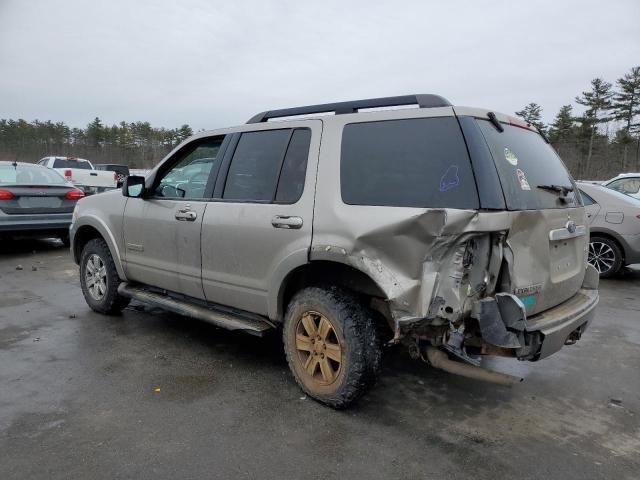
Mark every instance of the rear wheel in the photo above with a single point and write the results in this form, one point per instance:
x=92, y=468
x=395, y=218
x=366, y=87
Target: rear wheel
x=605, y=255
x=99, y=279
x=331, y=345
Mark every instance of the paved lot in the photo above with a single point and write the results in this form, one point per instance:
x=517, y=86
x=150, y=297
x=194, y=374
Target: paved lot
x=153, y=395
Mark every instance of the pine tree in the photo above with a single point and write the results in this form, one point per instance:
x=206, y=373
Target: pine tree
x=532, y=114
x=563, y=126
x=95, y=132
x=626, y=101
x=625, y=107
x=598, y=103
x=184, y=132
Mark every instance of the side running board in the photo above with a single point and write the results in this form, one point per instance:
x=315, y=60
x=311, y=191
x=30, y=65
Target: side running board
x=253, y=324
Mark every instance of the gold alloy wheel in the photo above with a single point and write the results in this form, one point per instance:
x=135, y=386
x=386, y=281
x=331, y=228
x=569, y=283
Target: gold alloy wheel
x=318, y=348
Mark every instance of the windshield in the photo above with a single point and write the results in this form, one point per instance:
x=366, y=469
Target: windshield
x=532, y=175
x=22, y=174
x=71, y=163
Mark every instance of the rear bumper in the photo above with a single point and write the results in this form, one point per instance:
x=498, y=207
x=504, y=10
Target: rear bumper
x=56, y=223
x=556, y=325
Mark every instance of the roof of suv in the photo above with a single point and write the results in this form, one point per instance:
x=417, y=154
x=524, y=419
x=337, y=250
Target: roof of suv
x=353, y=106
x=426, y=100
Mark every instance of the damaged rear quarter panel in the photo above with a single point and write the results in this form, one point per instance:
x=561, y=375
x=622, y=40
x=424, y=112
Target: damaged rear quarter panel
x=414, y=255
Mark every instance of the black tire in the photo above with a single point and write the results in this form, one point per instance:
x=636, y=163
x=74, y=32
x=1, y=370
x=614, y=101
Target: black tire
x=109, y=302
x=605, y=255
x=352, y=329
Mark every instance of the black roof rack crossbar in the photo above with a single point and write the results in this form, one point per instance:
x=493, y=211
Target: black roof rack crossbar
x=422, y=100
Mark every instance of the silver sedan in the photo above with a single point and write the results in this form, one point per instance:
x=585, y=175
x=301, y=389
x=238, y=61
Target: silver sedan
x=615, y=228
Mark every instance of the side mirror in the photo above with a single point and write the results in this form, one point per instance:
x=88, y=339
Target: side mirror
x=133, y=186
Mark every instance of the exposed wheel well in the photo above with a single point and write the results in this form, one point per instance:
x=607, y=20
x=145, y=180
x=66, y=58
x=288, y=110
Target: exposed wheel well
x=81, y=238
x=613, y=239
x=321, y=273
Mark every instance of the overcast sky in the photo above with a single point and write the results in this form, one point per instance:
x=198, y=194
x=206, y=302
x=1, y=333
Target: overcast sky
x=213, y=64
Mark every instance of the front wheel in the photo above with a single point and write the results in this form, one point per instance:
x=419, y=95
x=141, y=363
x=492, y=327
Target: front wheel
x=331, y=345
x=99, y=278
x=605, y=255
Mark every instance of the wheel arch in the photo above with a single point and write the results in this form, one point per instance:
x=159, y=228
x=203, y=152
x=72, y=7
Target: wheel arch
x=325, y=272
x=90, y=230
x=613, y=237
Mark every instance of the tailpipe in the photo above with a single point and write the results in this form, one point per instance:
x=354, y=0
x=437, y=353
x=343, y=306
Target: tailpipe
x=439, y=359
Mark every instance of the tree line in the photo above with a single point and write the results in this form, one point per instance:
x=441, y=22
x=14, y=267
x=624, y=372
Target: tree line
x=605, y=139
x=136, y=144
x=599, y=143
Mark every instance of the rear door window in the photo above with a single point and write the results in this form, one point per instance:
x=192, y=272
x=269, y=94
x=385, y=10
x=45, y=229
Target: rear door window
x=525, y=162
x=420, y=162
x=294, y=167
x=255, y=166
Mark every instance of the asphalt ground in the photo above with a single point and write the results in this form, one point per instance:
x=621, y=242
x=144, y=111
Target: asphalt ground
x=153, y=395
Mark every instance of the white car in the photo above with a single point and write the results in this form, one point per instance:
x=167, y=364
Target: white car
x=82, y=174
x=627, y=183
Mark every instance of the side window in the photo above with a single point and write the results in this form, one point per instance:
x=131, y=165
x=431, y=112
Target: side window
x=255, y=166
x=631, y=185
x=420, y=162
x=625, y=185
x=188, y=177
x=294, y=167
x=586, y=199
x=616, y=185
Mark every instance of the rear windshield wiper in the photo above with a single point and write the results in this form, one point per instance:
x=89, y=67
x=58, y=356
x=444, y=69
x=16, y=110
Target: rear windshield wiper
x=557, y=188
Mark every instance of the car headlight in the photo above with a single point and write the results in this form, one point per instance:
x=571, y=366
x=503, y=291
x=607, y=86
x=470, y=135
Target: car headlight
x=74, y=215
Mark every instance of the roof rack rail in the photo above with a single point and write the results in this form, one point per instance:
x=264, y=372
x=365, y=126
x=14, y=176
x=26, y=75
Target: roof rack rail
x=422, y=100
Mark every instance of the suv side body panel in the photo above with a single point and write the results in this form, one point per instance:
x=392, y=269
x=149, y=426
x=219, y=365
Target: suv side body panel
x=245, y=256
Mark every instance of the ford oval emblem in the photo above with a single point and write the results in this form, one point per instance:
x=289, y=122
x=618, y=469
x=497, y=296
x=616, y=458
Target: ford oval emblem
x=571, y=226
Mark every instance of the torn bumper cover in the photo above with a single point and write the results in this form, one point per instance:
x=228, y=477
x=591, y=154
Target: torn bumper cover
x=503, y=323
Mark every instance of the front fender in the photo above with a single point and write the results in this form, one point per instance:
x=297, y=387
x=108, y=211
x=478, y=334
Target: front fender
x=92, y=221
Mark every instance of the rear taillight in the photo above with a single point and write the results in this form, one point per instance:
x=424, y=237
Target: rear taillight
x=67, y=174
x=115, y=176
x=6, y=195
x=74, y=194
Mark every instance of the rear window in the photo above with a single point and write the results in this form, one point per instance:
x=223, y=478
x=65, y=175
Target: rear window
x=525, y=162
x=421, y=162
x=29, y=175
x=66, y=163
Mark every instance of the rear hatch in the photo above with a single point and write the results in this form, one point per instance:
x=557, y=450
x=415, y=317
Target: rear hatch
x=548, y=236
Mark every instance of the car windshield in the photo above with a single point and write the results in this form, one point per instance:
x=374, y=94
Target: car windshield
x=532, y=174
x=71, y=163
x=21, y=174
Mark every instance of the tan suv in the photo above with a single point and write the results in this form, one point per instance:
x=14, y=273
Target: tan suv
x=454, y=231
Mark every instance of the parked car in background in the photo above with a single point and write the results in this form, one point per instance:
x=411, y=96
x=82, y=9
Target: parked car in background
x=614, y=220
x=82, y=174
x=35, y=200
x=627, y=183
x=452, y=230
x=122, y=171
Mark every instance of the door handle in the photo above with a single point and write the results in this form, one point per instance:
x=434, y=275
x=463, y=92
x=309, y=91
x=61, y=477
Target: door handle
x=283, y=221
x=186, y=215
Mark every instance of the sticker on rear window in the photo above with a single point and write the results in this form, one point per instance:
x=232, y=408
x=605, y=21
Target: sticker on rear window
x=450, y=179
x=524, y=185
x=510, y=156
